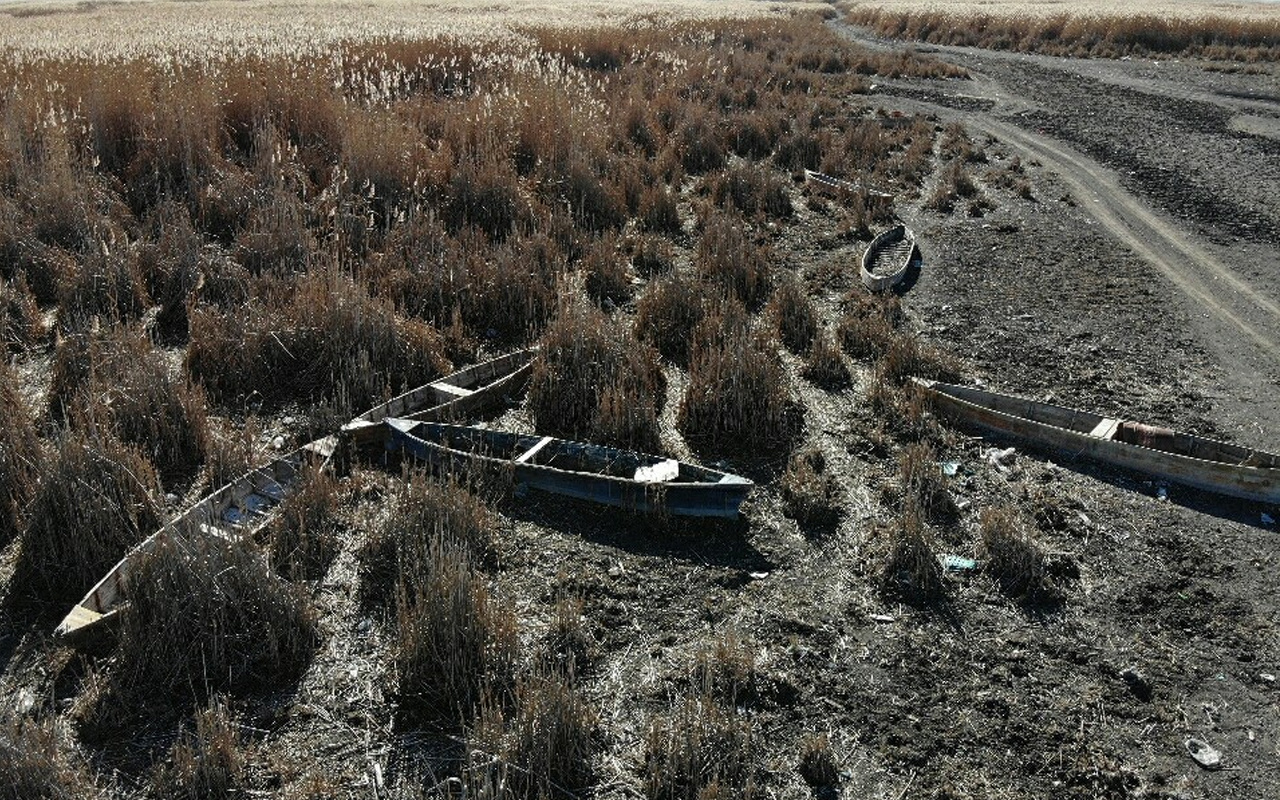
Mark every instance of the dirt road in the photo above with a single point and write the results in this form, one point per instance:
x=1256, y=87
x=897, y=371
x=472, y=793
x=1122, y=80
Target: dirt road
x=1175, y=163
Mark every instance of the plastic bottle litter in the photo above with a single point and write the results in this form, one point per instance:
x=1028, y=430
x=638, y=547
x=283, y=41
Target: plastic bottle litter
x=1204, y=755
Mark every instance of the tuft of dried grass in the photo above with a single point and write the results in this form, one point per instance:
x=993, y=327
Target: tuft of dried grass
x=38, y=761
x=594, y=380
x=818, y=764
x=208, y=762
x=668, y=313
x=608, y=281
x=726, y=669
x=455, y=643
x=924, y=489
x=21, y=324
x=911, y=571
x=753, y=191
x=869, y=324
x=427, y=514
x=824, y=365
x=811, y=494
x=302, y=538
x=96, y=498
x=793, y=312
x=701, y=751
x=727, y=256
x=19, y=454
x=1017, y=562
x=542, y=748
x=238, y=628
x=105, y=285
x=738, y=399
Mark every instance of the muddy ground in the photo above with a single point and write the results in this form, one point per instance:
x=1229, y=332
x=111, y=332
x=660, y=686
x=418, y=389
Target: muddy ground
x=1168, y=627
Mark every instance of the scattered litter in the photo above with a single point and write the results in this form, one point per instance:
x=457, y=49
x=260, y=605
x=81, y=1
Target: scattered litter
x=26, y=701
x=953, y=563
x=1251, y=736
x=962, y=505
x=881, y=618
x=1084, y=519
x=1267, y=677
x=950, y=468
x=171, y=498
x=364, y=626
x=1162, y=492
x=277, y=443
x=1267, y=519
x=1001, y=459
x=757, y=576
x=287, y=421
x=1204, y=755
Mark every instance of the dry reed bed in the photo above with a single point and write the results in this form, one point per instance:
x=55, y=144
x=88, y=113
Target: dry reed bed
x=257, y=231
x=1102, y=34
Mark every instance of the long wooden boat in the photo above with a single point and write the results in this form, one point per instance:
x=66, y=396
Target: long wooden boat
x=622, y=478
x=839, y=187
x=1163, y=453
x=887, y=258
x=246, y=504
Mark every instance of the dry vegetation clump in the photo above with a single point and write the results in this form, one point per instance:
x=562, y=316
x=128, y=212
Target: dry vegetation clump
x=238, y=629
x=869, y=323
x=570, y=645
x=173, y=261
x=21, y=324
x=810, y=493
x=824, y=364
x=302, y=538
x=818, y=764
x=794, y=314
x=701, y=751
x=668, y=313
x=1017, y=562
x=956, y=184
x=726, y=670
x=103, y=286
x=923, y=485
x=738, y=398
x=1103, y=36
x=543, y=747
x=326, y=336
x=608, y=281
x=652, y=255
x=39, y=762
x=907, y=357
x=911, y=570
x=728, y=257
x=117, y=380
x=208, y=762
x=19, y=454
x=455, y=643
x=752, y=190
x=594, y=380
x=96, y=498
x=427, y=512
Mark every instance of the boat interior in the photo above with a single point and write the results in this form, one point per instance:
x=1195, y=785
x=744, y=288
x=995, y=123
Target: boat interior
x=1125, y=431
x=558, y=454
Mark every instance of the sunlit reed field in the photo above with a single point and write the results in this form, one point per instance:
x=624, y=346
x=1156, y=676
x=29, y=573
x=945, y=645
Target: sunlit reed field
x=209, y=257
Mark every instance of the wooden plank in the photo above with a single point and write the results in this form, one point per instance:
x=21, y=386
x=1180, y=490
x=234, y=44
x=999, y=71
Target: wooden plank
x=524, y=457
x=1105, y=429
x=450, y=389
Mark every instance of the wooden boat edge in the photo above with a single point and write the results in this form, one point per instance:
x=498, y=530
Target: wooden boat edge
x=1259, y=485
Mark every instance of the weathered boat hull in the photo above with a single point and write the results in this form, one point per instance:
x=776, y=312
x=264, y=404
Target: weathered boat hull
x=238, y=508
x=1178, y=457
x=711, y=494
x=884, y=281
x=246, y=504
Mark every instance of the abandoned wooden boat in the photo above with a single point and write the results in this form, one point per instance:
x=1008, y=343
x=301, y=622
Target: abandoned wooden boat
x=887, y=258
x=839, y=187
x=240, y=508
x=634, y=481
x=247, y=503
x=451, y=397
x=1162, y=453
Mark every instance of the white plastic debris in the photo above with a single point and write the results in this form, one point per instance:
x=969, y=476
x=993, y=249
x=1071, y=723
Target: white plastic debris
x=1204, y=755
x=1267, y=519
x=950, y=468
x=1001, y=459
x=1162, y=493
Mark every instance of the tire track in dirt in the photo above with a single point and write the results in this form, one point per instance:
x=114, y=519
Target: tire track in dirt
x=1193, y=270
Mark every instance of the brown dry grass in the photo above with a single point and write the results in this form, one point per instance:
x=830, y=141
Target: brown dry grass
x=96, y=498
x=19, y=454
x=810, y=492
x=38, y=761
x=701, y=751
x=1097, y=35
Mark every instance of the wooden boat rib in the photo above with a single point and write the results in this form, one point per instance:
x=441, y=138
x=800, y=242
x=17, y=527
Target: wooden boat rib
x=887, y=258
x=1163, y=453
x=622, y=478
x=245, y=505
